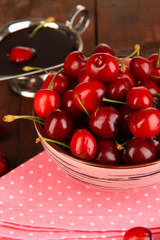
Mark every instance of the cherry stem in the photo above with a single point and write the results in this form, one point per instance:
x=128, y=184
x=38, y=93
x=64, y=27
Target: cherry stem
x=79, y=101
x=123, y=67
x=51, y=140
x=137, y=50
x=113, y=101
x=157, y=63
x=29, y=68
x=11, y=118
x=155, y=76
x=48, y=20
x=51, y=82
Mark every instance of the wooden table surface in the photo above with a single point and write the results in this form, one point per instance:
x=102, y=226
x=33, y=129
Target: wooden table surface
x=121, y=24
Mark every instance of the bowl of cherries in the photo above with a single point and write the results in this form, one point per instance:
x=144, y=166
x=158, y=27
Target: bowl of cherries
x=98, y=118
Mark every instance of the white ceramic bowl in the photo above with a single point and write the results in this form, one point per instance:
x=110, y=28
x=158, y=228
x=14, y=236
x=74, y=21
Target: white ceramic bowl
x=99, y=176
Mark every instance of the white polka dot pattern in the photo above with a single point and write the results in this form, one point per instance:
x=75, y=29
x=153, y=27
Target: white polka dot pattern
x=38, y=201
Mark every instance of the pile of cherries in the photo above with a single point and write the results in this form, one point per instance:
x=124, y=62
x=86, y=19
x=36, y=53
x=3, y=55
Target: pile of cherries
x=103, y=108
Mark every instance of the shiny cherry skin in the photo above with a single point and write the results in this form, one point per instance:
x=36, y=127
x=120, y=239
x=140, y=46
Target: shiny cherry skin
x=58, y=126
x=73, y=64
x=60, y=84
x=153, y=58
x=128, y=75
x=21, y=54
x=118, y=89
x=3, y=164
x=103, y=48
x=145, y=123
x=83, y=77
x=139, y=98
x=138, y=233
x=155, y=142
x=68, y=105
x=151, y=86
x=107, y=152
x=102, y=67
x=138, y=151
x=45, y=101
x=141, y=68
x=90, y=95
x=83, y=145
x=103, y=122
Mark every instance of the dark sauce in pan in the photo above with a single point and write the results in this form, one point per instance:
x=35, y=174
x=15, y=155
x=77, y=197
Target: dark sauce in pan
x=51, y=48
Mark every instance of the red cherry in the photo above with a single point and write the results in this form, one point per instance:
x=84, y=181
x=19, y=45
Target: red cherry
x=138, y=151
x=3, y=164
x=128, y=74
x=118, y=89
x=58, y=126
x=103, y=48
x=102, y=67
x=21, y=54
x=60, y=84
x=45, y=101
x=141, y=68
x=155, y=142
x=90, y=95
x=73, y=64
x=139, y=98
x=83, y=145
x=138, y=233
x=145, y=123
x=103, y=122
x=70, y=108
x=107, y=152
x=153, y=58
x=83, y=77
x=151, y=86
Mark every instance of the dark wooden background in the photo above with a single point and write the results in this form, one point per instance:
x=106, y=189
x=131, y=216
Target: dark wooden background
x=121, y=24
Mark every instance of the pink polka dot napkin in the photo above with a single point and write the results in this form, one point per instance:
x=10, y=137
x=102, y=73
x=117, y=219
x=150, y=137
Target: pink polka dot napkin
x=39, y=201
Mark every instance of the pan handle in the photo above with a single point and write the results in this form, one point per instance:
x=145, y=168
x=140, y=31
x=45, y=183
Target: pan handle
x=83, y=22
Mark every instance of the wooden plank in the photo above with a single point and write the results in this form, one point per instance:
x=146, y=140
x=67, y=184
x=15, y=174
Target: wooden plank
x=123, y=23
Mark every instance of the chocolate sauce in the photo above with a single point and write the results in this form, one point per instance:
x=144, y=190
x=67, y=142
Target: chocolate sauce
x=51, y=46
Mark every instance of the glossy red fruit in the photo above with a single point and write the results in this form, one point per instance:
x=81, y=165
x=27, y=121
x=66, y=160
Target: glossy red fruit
x=102, y=67
x=141, y=68
x=3, y=164
x=103, y=122
x=58, y=126
x=21, y=54
x=73, y=64
x=83, y=77
x=155, y=142
x=151, y=86
x=138, y=233
x=60, y=84
x=128, y=75
x=118, y=89
x=107, y=152
x=45, y=101
x=138, y=151
x=83, y=145
x=145, y=123
x=90, y=95
x=153, y=58
x=103, y=48
x=68, y=105
x=139, y=98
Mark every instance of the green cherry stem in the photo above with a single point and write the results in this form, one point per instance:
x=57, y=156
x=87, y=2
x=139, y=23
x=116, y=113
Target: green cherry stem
x=79, y=101
x=29, y=68
x=48, y=20
x=157, y=63
x=113, y=101
x=51, y=140
x=51, y=82
x=11, y=118
x=137, y=50
x=155, y=76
